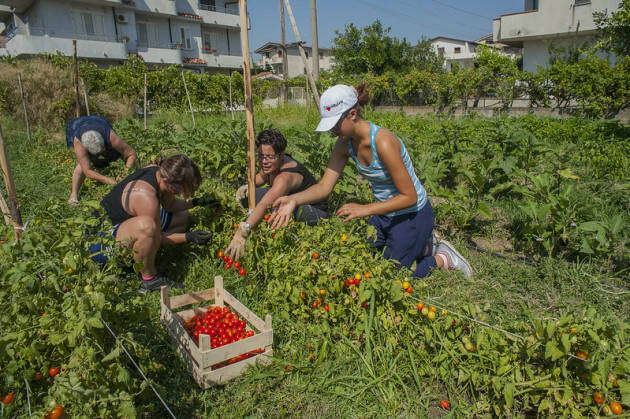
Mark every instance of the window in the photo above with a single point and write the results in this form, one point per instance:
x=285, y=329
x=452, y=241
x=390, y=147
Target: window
x=185, y=39
x=321, y=55
x=580, y=2
x=87, y=23
x=531, y=5
x=306, y=53
x=458, y=50
x=266, y=54
x=207, y=5
x=147, y=34
x=441, y=51
x=280, y=53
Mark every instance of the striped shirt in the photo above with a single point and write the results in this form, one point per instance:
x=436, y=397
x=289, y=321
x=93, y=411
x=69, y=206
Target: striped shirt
x=383, y=187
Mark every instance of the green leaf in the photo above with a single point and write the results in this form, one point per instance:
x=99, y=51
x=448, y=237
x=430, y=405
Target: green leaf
x=508, y=393
x=566, y=342
x=113, y=354
x=568, y=174
x=552, y=351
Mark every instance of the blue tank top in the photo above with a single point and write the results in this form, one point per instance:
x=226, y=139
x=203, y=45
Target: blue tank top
x=383, y=187
x=78, y=126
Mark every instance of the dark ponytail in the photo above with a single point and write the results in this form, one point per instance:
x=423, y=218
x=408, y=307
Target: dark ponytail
x=180, y=169
x=362, y=94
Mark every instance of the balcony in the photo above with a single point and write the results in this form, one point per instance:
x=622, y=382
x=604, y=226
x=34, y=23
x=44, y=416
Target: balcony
x=94, y=49
x=552, y=18
x=221, y=16
x=160, y=7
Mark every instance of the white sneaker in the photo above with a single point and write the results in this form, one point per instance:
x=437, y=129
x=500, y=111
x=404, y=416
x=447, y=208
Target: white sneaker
x=452, y=259
x=429, y=247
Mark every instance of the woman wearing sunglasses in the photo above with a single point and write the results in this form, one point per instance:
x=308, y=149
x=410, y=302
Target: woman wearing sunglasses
x=401, y=213
x=284, y=175
x=146, y=214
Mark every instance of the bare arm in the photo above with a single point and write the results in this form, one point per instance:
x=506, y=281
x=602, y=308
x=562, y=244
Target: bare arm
x=388, y=149
x=324, y=187
x=84, y=161
x=285, y=205
x=282, y=184
x=129, y=155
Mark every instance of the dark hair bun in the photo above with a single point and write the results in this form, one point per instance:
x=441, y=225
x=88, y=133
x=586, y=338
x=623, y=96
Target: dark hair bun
x=362, y=94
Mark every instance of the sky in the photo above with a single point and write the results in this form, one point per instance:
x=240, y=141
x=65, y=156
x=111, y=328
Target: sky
x=410, y=19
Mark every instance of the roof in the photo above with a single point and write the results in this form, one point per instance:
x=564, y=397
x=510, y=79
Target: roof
x=269, y=46
x=453, y=39
x=484, y=39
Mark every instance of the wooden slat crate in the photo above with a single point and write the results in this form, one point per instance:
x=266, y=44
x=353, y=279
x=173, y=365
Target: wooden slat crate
x=200, y=359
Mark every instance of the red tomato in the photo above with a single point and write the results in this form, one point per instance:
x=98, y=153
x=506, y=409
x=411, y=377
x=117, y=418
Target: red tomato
x=56, y=413
x=273, y=235
x=326, y=307
x=8, y=398
x=598, y=398
x=365, y=304
x=616, y=408
x=242, y=272
x=225, y=258
x=409, y=290
x=445, y=404
x=237, y=264
x=52, y=371
x=228, y=266
x=39, y=376
x=266, y=217
x=315, y=255
x=220, y=254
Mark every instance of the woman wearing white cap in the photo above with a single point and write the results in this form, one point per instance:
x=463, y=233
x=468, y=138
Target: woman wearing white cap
x=95, y=144
x=401, y=212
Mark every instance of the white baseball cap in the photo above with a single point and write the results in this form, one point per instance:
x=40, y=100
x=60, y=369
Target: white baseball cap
x=333, y=103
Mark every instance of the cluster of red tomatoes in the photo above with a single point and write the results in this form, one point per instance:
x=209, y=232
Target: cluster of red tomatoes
x=220, y=324
x=229, y=262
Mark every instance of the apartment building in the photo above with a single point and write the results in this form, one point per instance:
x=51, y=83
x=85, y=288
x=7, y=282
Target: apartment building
x=201, y=35
x=272, y=52
x=463, y=53
x=543, y=22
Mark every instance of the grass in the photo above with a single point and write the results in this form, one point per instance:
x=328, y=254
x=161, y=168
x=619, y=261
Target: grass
x=382, y=374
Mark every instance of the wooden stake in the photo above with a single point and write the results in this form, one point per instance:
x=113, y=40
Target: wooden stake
x=28, y=126
x=85, y=97
x=192, y=112
x=249, y=106
x=302, y=53
x=77, y=106
x=145, y=101
x=308, y=101
x=14, y=207
x=231, y=107
x=285, y=59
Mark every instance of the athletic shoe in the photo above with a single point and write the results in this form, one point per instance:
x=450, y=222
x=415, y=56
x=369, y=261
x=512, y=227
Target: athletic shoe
x=452, y=259
x=429, y=247
x=156, y=283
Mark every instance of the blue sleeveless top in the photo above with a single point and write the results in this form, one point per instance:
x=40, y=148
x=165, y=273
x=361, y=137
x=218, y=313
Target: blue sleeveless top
x=78, y=126
x=383, y=187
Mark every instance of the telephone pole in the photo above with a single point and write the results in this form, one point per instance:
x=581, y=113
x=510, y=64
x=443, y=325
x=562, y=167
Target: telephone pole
x=315, y=50
x=285, y=59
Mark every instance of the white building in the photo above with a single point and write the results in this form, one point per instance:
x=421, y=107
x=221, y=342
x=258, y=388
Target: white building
x=203, y=35
x=561, y=22
x=272, y=52
x=455, y=51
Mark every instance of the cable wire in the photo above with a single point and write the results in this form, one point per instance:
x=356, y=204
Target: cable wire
x=28, y=398
x=139, y=370
x=461, y=10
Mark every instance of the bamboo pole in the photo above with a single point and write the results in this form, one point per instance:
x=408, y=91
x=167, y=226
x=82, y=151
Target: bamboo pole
x=85, y=97
x=231, y=106
x=145, y=101
x=77, y=106
x=28, y=125
x=14, y=207
x=309, y=74
x=192, y=112
x=249, y=106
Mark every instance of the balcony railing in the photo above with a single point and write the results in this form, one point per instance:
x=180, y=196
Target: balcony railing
x=208, y=50
x=217, y=9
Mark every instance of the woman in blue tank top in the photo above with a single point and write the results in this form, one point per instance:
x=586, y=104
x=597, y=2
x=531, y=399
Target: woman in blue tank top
x=401, y=212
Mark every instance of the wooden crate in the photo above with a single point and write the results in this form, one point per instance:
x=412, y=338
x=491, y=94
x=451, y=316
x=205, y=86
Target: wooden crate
x=200, y=359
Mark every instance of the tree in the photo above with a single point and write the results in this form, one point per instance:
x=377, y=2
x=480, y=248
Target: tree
x=372, y=50
x=615, y=29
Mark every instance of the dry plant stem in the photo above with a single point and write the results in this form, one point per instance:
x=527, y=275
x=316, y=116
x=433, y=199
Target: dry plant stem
x=85, y=97
x=75, y=64
x=28, y=125
x=5, y=210
x=14, y=207
x=145, y=101
x=192, y=112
